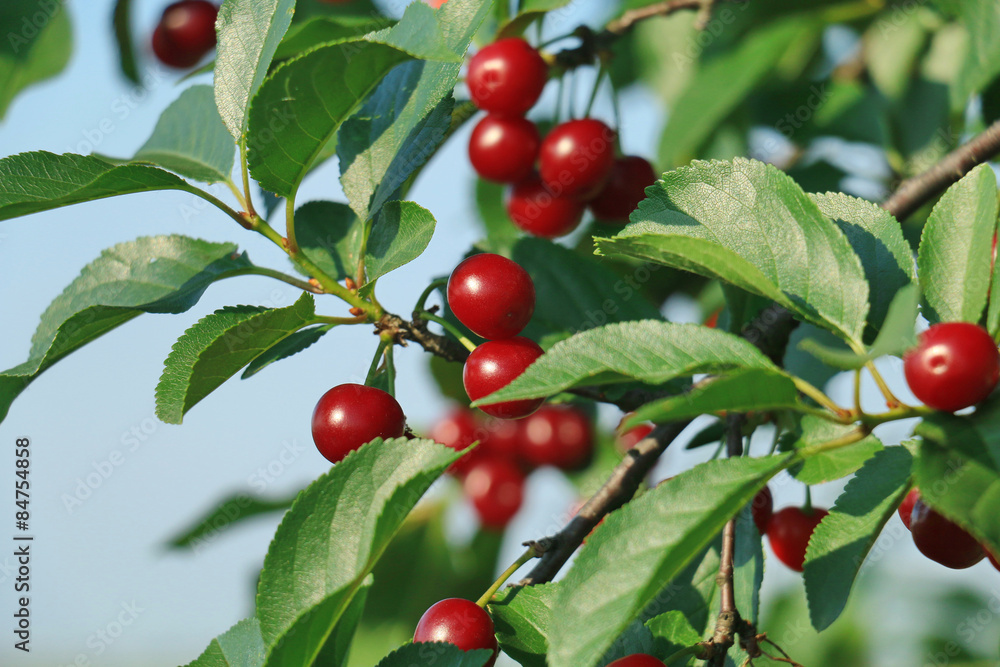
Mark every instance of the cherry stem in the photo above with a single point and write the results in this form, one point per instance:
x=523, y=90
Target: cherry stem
x=532, y=552
x=601, y=71
x=449, y=327
x=390, y=368
x=818, y=396
x=857, y=391
x=684, y=652
x=245, y=171
x=373, y=369
x=293, y=246
x=807, y=506
x=236, y=193
x=890, y=398
x=422, y=301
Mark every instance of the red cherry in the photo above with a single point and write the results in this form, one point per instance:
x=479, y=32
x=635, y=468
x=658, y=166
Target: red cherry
x=993, y=561
x=558, y=435
x=576, y=158
x=458, y=430
x=941, y=540
x=955, y=365
x=626, y=187
x=535, y=209
x=492, y=366
x=789, y=531
x=712, y=320
x=503, y=439
x=460, y=622
x=906, y=507
x=504, y=148
x=506, y=76
x=637, y=660
x=186, y=32
x=496, y=488
x=491, y=295
x=631, y=438
x=350, y=415
x=761, y=508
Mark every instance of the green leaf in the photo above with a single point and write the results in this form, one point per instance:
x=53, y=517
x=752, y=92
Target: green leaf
x=295, y=343
x=749, y=224
x=672, y=632
x=331, y=539
x=318, y=30
x=29, y=52
x=123, y=37
x=393, y=134
x=896, y=336
x=981, y=19
x=331, y=236
x=748, y=566
x=575, y=292
x=240, y=646
x=635, y=639
x=521, y=616
x=248, y=36
x=501, y=233
x=40, y=181
x=234, y=509
x=750, y=390
x=421, y=33
x=722, y=85
x=958, y=474
x=640, y=548
x=841, y=542
x=160, y=274
x=218, y=346
x=833, y=464
x=338, y=646
x=877, y=239
x=437, y=654
x=954, y=257
x=191, y=140
x=401, y=233
x=301, y=105
x=651, y=351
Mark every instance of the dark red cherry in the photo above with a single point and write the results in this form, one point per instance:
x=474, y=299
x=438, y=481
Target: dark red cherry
x=626, y=187
x=506, y=76
x=496, y=488
x=491, y=295
x=955, y=365
x=350, y=415
x=629, y=439
x=906, y=507
x=459, y=429
x=762, y=508
x=503, y=438
x=460, y=622
x=492, y=366
x=558, y=435
x=941, y=540
x=576, y=158
x=789, y=531
x=504, y=148
x=186, y=33
x=637, y=660
x=535, y=209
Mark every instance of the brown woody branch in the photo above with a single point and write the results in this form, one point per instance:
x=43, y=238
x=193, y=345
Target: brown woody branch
x=629, y=19
x=916, y=191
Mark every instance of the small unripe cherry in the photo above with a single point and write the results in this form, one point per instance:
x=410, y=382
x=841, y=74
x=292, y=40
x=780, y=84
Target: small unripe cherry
x=461, y=623
x=350, y=415
x=942, y=540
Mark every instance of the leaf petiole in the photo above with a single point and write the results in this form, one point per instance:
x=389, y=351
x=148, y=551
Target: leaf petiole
x=533, y=552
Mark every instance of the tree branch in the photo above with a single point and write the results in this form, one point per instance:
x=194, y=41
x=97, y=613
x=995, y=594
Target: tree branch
x=617, y=490
x=629, y=19
x=917, y=191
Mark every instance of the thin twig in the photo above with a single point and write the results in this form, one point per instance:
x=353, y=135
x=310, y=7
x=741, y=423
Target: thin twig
x=629, y=19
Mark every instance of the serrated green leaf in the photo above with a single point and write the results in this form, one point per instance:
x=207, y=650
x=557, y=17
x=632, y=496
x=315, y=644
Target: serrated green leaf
x=160, y=274
x=834, y=464
x=575, y=292
x=190, y=139
x=301, y=105
x=248, y=36
x=218, y=346
x=954, y=257
x=401, y=232
x=651, y=351
x=722, y=84
x=317, y=30
x=754, y=389
x=40, y=181
x=749, y=224
x=422, y=34
x=897, y=335
x=234, y=509
x=394, y=133
x=877, y=239
x=240, y=646
x=30, y=54
x=338, y=645
x=331, y=236
x=331, y=539
x=437, y=654
x=640, y=548
x=841, y=542
x=521, y=616
x=293, y=344
x=672, y=632
x=958, y=474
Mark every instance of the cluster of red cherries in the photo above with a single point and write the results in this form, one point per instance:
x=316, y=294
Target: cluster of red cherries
x=185, y=33
x=576, y=161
